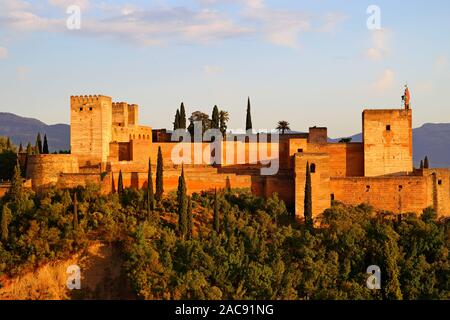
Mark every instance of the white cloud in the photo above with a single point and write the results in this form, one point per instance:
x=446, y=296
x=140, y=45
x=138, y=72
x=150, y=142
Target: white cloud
x=380, y=44
x=385, y=81
x=166, y=24
x=83, y=4
x=441, y=61
x=3, y=53
x=211, y=70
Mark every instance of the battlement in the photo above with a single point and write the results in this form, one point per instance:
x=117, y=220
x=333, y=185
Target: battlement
x=87, y=99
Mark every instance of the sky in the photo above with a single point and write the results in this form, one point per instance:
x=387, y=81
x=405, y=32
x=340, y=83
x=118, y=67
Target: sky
x=309, y=62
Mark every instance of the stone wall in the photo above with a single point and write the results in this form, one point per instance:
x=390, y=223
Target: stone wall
x=44, y=170
x=320, y=182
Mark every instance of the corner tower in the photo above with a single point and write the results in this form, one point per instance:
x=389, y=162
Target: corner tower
x=387, y=136
x=90, y=128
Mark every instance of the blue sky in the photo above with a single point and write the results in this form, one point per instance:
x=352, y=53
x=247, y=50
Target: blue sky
x=310, y=62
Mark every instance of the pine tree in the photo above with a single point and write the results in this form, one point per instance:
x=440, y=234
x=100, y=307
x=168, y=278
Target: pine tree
x=5, y=221
x=182, y=117
x=182, y=206
x=150, y=193
x=38, y=145
x=190, y=224
x=20, y=148
x=248, y=122
x=421, y=164
x=159, y=177
x=426, y=163
x=45, y=147
x=176, y=123
x=308, y=199
x=120, y=184
x=216, y=221
x=215, y=119
x=75, y=211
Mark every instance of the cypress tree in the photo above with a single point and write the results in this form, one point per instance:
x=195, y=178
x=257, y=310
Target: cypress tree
x=29, y=149
x=216, y=221
x=150, y=193
x=248, y=122
x=426, y=163
x=38, y=145
x=182, y=206
x=5, y=221
x=113, y=183
x=215, y=120
x=15, y=192
x=308, y=199
x=176, y=123
x=120, y=184
x=8, y=144
x=159, y=176
x=75, y=211
x=20, y=148
x=421, y=164
x=45, y=147
x=182, y=117
x=190, y=226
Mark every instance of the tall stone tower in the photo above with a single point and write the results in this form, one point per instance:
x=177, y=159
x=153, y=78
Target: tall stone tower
x=387, y=136
x=90, y=128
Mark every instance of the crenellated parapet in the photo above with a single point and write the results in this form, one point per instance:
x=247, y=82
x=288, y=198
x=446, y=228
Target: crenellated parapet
x=88, y=99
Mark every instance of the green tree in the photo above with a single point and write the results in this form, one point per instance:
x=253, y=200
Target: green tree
x=29, y=149
x=308, y=199
x=176, y=123
x=20, y=148
x=150, y=193
x=421, y=164
x=248, y=121
x=75, y=211
x=182, y=117
x=16, y=192
x=215, y=118
x=120, y=184
x=159, y=176
x=216, y=219
x=5, y=221
x=283, y=126
x=8, y=144
x=190, y=224
x=182, y=206
x=38, y=146
x=198, y=116
x=45, y=147
x=223, y=119
x=426, y=163
x=391, y=288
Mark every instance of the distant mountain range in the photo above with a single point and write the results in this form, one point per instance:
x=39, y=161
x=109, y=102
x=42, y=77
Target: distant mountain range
x=25, y=130
x=432, y=140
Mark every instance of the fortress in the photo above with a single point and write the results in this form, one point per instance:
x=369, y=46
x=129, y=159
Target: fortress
x=106, y=138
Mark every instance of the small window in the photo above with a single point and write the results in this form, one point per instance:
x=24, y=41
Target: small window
x=400, y=188
x=300, y=150
x=388, y=127
x=440, y=182
x=81, y=109
x=90, y=108
x=367, y=188
x=313, y=168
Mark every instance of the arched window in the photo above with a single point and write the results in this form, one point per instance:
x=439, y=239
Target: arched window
x=313, y=168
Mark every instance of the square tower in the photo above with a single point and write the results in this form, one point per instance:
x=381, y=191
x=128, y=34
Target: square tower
x=90, y=128
x=387, y=136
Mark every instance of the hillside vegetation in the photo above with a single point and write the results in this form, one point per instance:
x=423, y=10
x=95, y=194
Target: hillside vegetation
x=257, y=250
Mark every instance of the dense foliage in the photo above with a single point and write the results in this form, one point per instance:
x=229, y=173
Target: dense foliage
x=258, y=251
